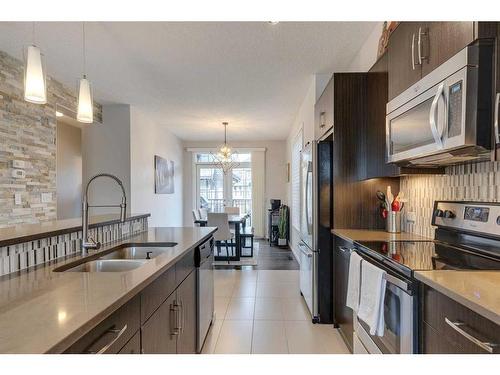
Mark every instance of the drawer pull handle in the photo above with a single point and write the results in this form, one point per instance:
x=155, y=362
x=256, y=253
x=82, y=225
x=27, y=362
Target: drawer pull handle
x=461, y=327
x=174, y=311
x=118, y=332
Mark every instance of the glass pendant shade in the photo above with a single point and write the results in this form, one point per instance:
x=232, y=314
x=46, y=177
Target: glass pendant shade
x=85, y=102
x=35, y=88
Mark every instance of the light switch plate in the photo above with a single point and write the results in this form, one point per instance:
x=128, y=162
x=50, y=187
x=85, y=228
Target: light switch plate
x=18, y=173
x=20, y=164
x=46, y=197
x=17, y=199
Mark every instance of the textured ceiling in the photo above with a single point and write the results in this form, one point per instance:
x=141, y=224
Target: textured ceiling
x=191, y=76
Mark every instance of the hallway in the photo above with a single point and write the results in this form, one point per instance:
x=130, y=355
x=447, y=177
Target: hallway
x=262, y=312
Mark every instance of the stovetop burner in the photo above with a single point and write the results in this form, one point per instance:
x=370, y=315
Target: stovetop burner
x=430, y=255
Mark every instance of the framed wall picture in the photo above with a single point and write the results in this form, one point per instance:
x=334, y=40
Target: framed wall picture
x=164, y=175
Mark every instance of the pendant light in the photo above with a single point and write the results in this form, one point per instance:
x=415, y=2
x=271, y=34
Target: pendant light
x=35, y=87
x=225, y=156
x=85, y=112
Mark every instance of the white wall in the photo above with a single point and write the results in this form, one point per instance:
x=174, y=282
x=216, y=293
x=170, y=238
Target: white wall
x=68, y=171
x=275, y=186
x=106, y=148
x=367, y=54
x=147, y=140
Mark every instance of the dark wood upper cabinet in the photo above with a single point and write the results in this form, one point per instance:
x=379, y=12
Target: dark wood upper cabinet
x=442, y=40
x=403, y=71
x=417, y=48
x=323, y=111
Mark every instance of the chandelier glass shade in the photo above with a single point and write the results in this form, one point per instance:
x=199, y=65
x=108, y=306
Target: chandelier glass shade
x=225, y=157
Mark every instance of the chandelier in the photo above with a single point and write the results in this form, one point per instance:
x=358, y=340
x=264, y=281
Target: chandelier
x=225, y=157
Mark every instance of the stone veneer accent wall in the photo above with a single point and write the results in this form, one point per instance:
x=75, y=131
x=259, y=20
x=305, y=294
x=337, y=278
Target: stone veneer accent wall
x=28, y=133
x=28, y=254
x=475, y=182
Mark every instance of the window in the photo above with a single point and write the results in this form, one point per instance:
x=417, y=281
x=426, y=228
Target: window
x=295, y=177
x=216, y=190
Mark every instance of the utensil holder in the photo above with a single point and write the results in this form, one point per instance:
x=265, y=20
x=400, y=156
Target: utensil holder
x=393, y=222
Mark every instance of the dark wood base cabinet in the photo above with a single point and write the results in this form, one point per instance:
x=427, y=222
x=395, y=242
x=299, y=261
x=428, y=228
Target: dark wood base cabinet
x=343, y=314
x=161, y=319
x=451, y=328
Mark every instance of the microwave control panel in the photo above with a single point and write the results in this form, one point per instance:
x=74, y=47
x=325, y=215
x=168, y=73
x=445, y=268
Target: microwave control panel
x=455, y=93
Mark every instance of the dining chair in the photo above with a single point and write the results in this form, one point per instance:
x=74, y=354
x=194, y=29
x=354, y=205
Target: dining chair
x=203, y=213
x=232, y=210
x=220, y=220
x=196, y=217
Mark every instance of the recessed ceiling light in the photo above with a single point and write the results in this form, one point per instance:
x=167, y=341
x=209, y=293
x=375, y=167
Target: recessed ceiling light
x=273, y=22
x=59, y=114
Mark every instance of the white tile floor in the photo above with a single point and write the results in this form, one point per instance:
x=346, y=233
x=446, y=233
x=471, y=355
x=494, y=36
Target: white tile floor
x=263, y=312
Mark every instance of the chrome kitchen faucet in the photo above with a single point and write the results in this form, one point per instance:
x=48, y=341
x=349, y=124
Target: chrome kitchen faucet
x=90, y=243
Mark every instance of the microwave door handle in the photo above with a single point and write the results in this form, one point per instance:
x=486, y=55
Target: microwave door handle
x=433, y=116
x=497, y=104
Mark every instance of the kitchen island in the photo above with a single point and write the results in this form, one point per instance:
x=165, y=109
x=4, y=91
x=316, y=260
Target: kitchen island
x=42, y=311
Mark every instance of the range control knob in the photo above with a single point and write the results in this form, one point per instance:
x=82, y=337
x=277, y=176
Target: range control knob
x=449, y=214
x=438, y=213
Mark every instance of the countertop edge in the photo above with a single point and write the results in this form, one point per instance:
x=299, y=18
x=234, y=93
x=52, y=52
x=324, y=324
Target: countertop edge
x=86, y=327
x=481, y=310
x=69, y=229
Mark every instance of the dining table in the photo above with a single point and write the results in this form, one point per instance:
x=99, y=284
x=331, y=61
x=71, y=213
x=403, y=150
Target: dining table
x=238, y=221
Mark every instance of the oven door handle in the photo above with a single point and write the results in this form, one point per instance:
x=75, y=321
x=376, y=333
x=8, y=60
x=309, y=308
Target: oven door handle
x=438, y=138
x=497, y=104
x=396, y=281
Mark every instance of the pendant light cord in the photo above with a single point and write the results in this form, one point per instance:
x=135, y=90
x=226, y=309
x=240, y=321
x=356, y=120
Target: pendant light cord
x=84, y=52
x=33, y=33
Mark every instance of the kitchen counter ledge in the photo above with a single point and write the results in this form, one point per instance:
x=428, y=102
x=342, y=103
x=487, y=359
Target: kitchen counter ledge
x=42, y=311
x=30, y=232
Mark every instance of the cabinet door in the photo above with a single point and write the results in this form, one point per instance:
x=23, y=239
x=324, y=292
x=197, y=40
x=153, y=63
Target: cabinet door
x=159, y=334
x=343, y=314
x=133, y=346
x=402, y=48
x=323, y=111
x=186, y=296
x=442, y=40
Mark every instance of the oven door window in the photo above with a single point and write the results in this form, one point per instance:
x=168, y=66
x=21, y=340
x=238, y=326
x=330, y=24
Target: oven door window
x=390, y=342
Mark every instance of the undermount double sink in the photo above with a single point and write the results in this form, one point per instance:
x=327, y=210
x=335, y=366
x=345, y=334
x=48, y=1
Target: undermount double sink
x=121, y=259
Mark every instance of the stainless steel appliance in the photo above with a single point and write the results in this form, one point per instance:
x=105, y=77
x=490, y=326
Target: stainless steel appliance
x=316, y=255
x=204, y=259
x=447, y=116
x=467, y=237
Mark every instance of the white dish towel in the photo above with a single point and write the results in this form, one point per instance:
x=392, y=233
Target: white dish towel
x=371, y=305
x=353, y=282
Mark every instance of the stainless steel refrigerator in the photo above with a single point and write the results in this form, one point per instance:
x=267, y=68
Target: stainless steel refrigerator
x=316, y=255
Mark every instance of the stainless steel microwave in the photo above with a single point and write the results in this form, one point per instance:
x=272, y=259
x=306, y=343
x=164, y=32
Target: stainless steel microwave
x=446, y=117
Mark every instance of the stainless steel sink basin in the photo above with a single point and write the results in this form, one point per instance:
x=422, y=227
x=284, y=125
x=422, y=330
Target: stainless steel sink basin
x=108, y=265
x=137, y=252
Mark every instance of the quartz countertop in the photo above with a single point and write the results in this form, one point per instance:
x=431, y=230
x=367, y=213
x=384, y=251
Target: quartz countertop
x=42, y=311
x=376, y=235
x=476, y=290
x=30, y=232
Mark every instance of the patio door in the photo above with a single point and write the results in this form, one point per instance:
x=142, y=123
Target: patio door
x=216, y=190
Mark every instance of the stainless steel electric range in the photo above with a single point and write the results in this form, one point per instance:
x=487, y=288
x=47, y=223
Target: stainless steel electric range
x=467, y=237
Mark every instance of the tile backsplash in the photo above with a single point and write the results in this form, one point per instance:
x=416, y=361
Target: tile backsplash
x=474, y=182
